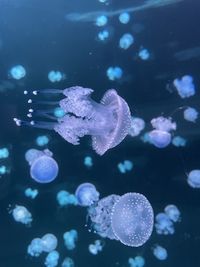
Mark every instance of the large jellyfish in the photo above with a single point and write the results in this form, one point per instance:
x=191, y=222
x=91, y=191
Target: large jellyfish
x=108, y=122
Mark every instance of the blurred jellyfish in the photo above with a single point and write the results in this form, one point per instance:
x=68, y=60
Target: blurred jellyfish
x=70, y=239
x=103, y=35
x=96, y=247
x=49, y=242
x=42, y=140
x=161, y=136
x=132, y=219
x=194, y=179
x=114, y=73
x=86, y=194
x=59, y=112
x=31, y=193
x=3, y=170
x=163, y=224
x=64, y=198
x=124, y=17
x=88, y=162
x=35, y=248
x=68, y=262
x=178, y=141
x=137, y=125
x=17, y=72
x=125, y=166
x=126, y=41
x=56, y=76
x=4, y=153
x=108, y=122
x=160, y=253
x=173, y=213
x=44, y=169
x=146, y=138
x=185, y=86
x=138, y=261
x=144, y=54
x=101, y=20
x=190, y=114
x=22, y=215
x=52, y=259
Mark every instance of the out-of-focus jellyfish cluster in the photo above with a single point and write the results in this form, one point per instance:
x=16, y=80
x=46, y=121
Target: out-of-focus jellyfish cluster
x=190, y=114
x=138, y=261
x=114, y=73
x=44, y=169
x=31, y=193
x=56, y=76
x=96, y=247
x=137, y=125
x=64, y=199
x=160, y=253
x=164, y=222
x=193, y=179
x=70, y=239
x=185, y=86
x=125, y=166
x=17, y=72
x=22, y=215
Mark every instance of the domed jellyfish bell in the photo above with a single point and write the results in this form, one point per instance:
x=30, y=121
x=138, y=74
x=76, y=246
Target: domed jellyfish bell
x=86, y=194
x=159, y=138
x=132, y=219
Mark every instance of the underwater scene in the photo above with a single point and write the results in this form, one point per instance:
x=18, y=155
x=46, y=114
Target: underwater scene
x=99, y=133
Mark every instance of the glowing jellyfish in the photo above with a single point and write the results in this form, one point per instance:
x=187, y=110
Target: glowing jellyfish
x=124, y=17
x=137, y=125
x=190, y=114
x=108, y=122
x=31, y=193
x=103, y=35
x=125, y=166
x=138, y=261
x=64, y=198
x=49, y=242
x=144, y=54
x=114, y=73
x=59, y=112
x=185, y=86
x=4, y=153
x=35, y=248
x=70, y=239
x=179, y=141
x=101, y=20
x=68, y=262
x=160, y=253
x=96, y=247
x=17, y=72
x=22, y=215
x=86, y=194
x=42, y=140
x=126, y=41
x=52, y=259
x=163, y=224
x=132, y=219
x=194, y=179
x=88, y=162
x=3, y=170
x=173, y=213
x=44, y=169
x=55, y=76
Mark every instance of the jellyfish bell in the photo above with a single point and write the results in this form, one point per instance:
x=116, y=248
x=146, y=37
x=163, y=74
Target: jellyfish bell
x=86, y=194
x=132, y=219
x=159, y=138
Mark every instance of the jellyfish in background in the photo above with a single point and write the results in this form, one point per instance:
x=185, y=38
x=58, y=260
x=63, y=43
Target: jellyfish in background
x=138, y=261
x=179, y=141
x=42, y=140
x=35, y=248
x=52, y=259
x=4, y=153
x=114, y=73
x=103, y=35
x=124, y=17
x=64, y=198
x=194, y=179
x=86, y=194
x=17, y=72
x=96, y=247
x=107, y=122
x=173, y=213
x=160, y=253
x=101, y=21
x=125, y=166
x=163, y=225
x=31, y=193
x=22, y=215
x=126, y=41
x=161, y=136
x=56, y=76
x=59, y=112
x=44, y=169
x=185, y=86
x=68, y=262
x=70, y=239
x=88, y=161
x=190, y=114
x=137, y=125
x=144, y=54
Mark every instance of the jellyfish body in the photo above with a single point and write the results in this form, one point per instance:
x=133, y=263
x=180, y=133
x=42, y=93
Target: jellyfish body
x=22, y=215
x=114, y=73
x=163, y=225
x=132, y=219
x=68, y=262
x=17, y=72
x=96, y=247
x=64, y=198
x=138, y=261
x=55, y=76
x=52, y=259
x=194, y=179
x=160, y=253
x=35, y=248
x=137, y=125
x=179, y=141
x=42, y=140
x=144, y=54
x=70, y=239
x=49, y=242
x=124, y=17
x=4, y=153
x=185, y=86
x=86, y=194
x=101, y=20
x=103, y=35
x=126, y=41
x=31, y=193
x=190, y=114
x=173, y=213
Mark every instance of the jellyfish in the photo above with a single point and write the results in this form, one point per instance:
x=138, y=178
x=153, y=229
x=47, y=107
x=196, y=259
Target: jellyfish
x=44, y=169
x=96, y=247
x=179, y=141
x=114, y=73
x=101, y=20
x=88, y=161
x=194, y=179
x=68, y=262
x=185, y=86
x=3, y=170
x=163, y=224
x=31, y=193
x=49, y=242
x=144, y=54
x=64, y=198
x=126, y=41
x=56, y=76
x=86, y=194
x=173, y=213
x=42, y=140
x=22, y=215
x=70, y=239
x=4, y=153
x=17, y=72
x=137, y=125
x=58, y=112
x=35, y=248
x=108, y=122
x=125, y=166
x=190, y=114
x=138, y=261
x=160, y=253
x=103, y=35
x=124, y=17
x=52, y=259
x=132, y=219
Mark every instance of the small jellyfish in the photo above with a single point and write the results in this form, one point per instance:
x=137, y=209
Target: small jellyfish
x=59, y=112
x=107, y=122
x=138, y=261
x=49, y=242
x=179, y=141
x=42, y=140
x=52, y=259
x=17, y=72
x=185, y=86
x=163, y=224
x=137, y=125
x=160, y=253
x=70, y=239
x=194, y=179
x=114, y=73
x=88, y=162
x=55, y=76
x=103, y=35
x=4, y=153
x=190, y=114
x=64, y=198
x=144, y=54
x=68, y=262
x=3, y=170
x=125, y=166
x=22, y=215
x=173, y=213
x=31, y=193
x=124, y=17
x=132, y=219
x=44, y=169
x=86, y=194
x=126, y=41
x=96, y=247
x=101, y=20
x=35, y=248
